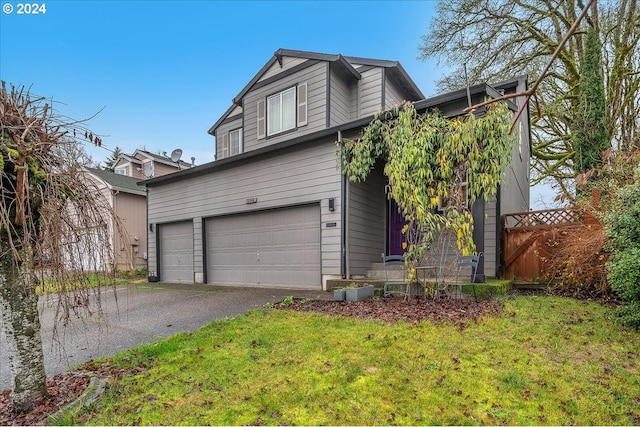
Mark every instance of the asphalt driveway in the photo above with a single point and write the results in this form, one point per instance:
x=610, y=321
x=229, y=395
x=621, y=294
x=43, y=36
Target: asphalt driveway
x=143, y=313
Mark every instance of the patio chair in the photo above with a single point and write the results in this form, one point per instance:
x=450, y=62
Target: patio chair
x=395, y=286
x=463, y=264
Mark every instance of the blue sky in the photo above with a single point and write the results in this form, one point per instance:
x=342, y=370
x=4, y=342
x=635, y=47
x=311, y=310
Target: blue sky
x=165, y=71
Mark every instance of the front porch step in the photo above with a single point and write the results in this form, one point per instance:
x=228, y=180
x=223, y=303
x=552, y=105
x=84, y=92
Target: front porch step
x=395, y=274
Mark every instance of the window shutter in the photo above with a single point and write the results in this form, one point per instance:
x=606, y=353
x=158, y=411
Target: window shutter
x=261, y=120
x=302, y=104
x=224, y=142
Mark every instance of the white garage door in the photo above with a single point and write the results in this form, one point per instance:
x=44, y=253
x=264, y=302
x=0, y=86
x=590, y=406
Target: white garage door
x=176, y=252
x=279, y=247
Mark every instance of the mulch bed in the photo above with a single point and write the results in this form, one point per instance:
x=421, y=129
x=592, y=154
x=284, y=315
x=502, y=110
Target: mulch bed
x=66, y=387
x=394, y=309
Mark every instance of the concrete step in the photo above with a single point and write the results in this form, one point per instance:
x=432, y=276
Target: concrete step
x=380, y=274
x=378, y=266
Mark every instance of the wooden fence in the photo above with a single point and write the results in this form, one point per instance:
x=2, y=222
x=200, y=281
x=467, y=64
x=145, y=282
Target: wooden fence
x=527, y=242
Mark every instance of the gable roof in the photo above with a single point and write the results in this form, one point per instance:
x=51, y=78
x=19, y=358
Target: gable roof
x=421, y=105
x=114, y=181
x=345, y=65
x=158, y=158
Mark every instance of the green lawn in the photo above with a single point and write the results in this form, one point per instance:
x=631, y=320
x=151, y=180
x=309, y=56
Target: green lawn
x=545, y=360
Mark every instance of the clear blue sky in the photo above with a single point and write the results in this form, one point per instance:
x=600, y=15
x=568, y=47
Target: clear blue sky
x=165, y=71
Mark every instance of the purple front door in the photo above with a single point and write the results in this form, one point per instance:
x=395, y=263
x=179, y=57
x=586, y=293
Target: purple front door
x=396, y=222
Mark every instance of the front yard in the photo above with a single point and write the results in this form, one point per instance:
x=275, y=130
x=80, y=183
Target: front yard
x=542, y=360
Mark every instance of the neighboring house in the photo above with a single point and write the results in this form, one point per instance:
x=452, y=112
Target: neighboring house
x=274, y=208
x=129, y=203
x=144, y=165
x=128, y=200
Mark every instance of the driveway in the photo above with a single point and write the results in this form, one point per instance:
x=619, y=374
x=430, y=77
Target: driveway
x=143, y=313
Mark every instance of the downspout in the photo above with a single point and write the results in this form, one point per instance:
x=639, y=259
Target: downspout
x=343, y=213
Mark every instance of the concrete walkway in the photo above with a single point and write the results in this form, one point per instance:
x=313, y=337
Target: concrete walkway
x=143, y=313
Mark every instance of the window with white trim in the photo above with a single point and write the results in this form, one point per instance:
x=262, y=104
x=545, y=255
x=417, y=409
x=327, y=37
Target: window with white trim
x=121, y=170
x=282, y=111
x=235, y=141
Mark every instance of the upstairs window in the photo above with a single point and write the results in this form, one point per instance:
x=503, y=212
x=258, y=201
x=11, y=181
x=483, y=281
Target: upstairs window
x=235, y=142
x=281, y=111
x=231, y=143
x=121, y=170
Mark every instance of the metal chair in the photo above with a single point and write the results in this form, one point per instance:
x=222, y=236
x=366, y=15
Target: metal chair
x=463, y=263
x=395, y=286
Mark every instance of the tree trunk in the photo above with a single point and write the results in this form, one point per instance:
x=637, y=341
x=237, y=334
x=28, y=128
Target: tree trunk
x=21, y=323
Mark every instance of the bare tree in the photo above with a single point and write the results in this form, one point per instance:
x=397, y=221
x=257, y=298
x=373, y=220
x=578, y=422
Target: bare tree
x=53, y=225
x=499, y=39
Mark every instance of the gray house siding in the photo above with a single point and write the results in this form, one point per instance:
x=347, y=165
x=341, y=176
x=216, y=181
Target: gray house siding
x=490, y=239
x=370, y=92
x=224, y=129
x=287, y=178
x=340, y=103
x=366, y=223
x=393, y=95
x=287, y=63
x=316, y=79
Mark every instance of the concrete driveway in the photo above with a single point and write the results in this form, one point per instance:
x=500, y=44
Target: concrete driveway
x=143, y=313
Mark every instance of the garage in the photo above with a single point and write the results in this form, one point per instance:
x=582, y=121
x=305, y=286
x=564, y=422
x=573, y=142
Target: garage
x=279, y=247
x=176, y=252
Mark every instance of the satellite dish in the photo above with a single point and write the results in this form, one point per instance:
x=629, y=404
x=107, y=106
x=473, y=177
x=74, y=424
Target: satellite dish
x=175, y=155
x=148, y=171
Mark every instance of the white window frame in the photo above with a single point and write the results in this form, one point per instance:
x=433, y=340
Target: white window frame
x=240, y=148
x=269, y=110
x=121, y=170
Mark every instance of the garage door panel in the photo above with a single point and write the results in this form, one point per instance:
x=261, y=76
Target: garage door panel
x=176, y=252
x=278, y=247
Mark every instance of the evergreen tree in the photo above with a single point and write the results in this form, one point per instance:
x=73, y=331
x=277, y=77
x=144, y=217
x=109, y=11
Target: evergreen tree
x=590, y=133
x=112, y=159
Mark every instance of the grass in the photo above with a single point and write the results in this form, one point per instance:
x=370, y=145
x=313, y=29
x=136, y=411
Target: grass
x=545, y=360
x=92, y=280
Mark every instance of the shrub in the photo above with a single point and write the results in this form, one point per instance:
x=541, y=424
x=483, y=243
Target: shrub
x=623, y=226
x=577, y=266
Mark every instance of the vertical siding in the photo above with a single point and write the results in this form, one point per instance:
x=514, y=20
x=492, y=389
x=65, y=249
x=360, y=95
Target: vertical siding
x=366, y=223
x=340, y=106
x=297, y=176
x=316, y=79
x=370, y=92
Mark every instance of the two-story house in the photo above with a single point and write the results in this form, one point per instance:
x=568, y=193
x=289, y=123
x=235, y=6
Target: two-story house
x=274, y=208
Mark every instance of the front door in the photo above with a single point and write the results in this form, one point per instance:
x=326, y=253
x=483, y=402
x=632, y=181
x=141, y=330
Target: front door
x=396, y=223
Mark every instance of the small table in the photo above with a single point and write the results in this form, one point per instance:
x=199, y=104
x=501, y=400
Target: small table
x=425, y=269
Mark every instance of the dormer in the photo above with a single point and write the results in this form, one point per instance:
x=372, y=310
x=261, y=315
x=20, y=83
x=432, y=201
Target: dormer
x=297, y=93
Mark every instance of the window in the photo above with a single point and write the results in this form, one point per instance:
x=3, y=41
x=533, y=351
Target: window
x=121, y=171
x=231, y=143
x=281, y=111
x=235, y=142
